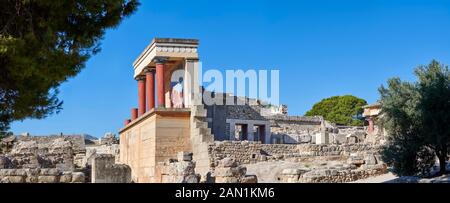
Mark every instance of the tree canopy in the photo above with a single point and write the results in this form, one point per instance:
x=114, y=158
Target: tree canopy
x=45, y=42
x=342, y=110
x=417, y=118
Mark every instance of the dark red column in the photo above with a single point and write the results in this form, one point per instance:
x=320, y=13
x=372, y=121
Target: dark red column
x=160, y=83
x=127, y=122
x=371, y=127
x=141, y=93
x=134, y=114
x=150, y=82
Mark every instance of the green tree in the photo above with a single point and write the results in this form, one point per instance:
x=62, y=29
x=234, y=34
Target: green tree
x=342, y=110
x=45, y=42
x=417, y=117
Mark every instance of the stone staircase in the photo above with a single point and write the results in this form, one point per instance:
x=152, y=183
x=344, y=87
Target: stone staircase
x=201, y=137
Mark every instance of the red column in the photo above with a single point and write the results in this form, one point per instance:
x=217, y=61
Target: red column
x=127, y=122
x=150, y=77
x=141, y=93
x=371, y=127
x=160, y=83
x=134, y=114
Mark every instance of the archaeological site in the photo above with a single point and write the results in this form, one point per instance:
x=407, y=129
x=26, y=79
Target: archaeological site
x=174, y=136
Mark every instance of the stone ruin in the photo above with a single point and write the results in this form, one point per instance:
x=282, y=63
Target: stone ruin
x=61, y=159
x=182, y=170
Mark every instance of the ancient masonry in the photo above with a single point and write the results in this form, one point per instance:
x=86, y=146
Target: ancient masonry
x=173, y=136
x=61, y=159
x=172, y=118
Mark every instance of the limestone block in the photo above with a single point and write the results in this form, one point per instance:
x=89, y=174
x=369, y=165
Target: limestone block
x=50, y=172
x=5, y=162
x=184, y=156
x=227, y=180
x=14, y=179
x=230, y=172
x=31, y=179
x=47, y=179
x=66, y=178
x=78, y=177
x=370, y=159
x=191, y=179
x=249, y=179
x=227, y=162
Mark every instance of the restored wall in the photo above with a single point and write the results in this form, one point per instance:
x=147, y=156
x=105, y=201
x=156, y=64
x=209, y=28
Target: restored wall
x=104, y=170
x=40, y=176
x=295, y=129
x=252, y=152
x=331, y=175
x=154, y=138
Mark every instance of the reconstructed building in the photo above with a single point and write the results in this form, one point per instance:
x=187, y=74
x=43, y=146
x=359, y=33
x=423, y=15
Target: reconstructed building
x=172, y=117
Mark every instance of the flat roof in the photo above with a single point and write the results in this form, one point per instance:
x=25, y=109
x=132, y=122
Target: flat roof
x=175, y=40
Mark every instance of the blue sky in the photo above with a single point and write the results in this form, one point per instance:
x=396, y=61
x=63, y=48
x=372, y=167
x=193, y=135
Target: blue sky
x=322, y=49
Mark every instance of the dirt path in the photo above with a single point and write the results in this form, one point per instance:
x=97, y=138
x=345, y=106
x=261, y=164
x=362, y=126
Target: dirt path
x=378, y=179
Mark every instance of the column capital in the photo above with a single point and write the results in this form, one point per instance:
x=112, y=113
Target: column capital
x=149, y=69
x=192, y=59
x=140, y=78
x=160, y=60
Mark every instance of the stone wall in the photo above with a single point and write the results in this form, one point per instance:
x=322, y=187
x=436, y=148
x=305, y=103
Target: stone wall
x=104, y=170
x=155, y=137
x=253, y=152
x=180, y=170
x=40, y=176
x=219, y=115
x=32, y=152
x=333, y=175
x=77, y=141
x=230, y=171
x=294, y=129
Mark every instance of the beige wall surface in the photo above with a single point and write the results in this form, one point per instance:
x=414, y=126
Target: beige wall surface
x=153, y=139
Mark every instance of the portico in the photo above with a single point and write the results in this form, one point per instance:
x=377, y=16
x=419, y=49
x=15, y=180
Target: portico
x=166, y=74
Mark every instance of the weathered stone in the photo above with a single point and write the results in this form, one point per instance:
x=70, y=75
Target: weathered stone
x=5, y=162
x=104, y=170
x=47, y=179
x=66, y=178
x=227, y=180
x=184, y=156
x=231, y=172
x=14, y=179
x=370, y=159
x=227, y=162
x=191, y=179
x=78, y=177
x=249, y=179
x=50, y=172
x=65, y=167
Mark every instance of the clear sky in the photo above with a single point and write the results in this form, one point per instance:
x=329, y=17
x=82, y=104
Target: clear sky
x=322, y=49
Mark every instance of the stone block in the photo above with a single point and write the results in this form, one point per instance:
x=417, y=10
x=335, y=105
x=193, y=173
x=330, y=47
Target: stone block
x=65, y=178
x=78, y=177
x=47, y=179
x=184, y=156
x=227, y=162
x=31, y=179
x=50, y=172
x=15, y=179
x=231, y=172
x=191, y=179
x=370, y=159
x=249, y=179
x=227, y=180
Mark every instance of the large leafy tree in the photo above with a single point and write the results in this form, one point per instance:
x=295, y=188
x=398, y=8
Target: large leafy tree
x=342, y=110
x=417, y=117
x=45, y=42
